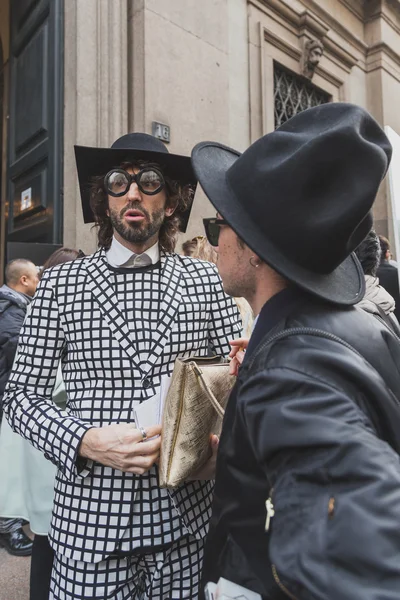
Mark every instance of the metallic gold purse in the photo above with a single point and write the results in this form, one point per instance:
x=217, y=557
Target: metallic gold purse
x=193, y=410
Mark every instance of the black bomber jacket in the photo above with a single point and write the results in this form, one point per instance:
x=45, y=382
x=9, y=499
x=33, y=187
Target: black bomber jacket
x=312, y=428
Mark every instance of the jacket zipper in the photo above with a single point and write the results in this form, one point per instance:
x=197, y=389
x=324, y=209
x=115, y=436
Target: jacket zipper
x=269, y=505
x=280, y=584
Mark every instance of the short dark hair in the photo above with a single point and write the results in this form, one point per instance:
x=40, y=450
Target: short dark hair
x=15, y=269
x=369, y=253
x=385, y=246
x=178, y=196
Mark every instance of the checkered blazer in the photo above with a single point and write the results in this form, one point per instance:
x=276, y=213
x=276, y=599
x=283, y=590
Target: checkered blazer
x=108, y=366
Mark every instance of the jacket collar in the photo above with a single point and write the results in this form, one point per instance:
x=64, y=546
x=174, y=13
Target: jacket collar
x=104, y=295
x=21, y=300
x=274, y=310
x=118, y=255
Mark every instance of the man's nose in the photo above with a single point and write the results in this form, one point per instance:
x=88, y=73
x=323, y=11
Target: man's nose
x=134, y=192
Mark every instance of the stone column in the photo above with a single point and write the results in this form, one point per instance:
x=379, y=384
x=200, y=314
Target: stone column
x=96, y=99
x=383, y=87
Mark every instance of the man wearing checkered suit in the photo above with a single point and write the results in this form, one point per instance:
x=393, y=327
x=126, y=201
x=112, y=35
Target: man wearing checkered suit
x=117, y=320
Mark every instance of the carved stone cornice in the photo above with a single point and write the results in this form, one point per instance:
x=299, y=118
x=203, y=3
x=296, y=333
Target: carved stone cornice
x=314, y=8
x=309, y=25
x=380, y=10
x=344, y=58
x=376, y=51
x=282, y=44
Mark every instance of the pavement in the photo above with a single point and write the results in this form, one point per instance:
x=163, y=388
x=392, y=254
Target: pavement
x=14, y=576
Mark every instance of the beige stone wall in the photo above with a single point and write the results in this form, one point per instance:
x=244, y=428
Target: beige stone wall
x=360, y=64
x=182, y=62
x=96, y=100
x=189, y=70
x=206, y=70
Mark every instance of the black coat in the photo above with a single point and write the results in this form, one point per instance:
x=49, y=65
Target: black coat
x=12, y=315
x=304, y=425
x=388, y=276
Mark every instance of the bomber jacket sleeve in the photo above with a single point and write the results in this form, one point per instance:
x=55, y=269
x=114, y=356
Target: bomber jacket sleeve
x=336, y=486
x=27, y=401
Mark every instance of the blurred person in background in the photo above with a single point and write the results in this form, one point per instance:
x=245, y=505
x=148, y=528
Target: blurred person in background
x=21, y=279
x=377, y=300
x=28, y=478
x=202, y=249
x=388, y=275
x=188, y=248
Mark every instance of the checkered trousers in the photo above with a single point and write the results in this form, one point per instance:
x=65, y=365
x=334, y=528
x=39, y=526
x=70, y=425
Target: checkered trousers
x=171, y=574
x=116, y=332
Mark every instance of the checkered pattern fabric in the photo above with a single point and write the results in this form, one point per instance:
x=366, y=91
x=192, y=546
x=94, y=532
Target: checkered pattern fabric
x=116, y=332
x=172, y=574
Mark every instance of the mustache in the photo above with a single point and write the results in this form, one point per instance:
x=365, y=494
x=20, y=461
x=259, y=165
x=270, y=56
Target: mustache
x=134, y=206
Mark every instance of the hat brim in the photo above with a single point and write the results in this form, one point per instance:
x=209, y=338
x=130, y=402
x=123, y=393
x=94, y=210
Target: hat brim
x=92, y=162
x=211, y=161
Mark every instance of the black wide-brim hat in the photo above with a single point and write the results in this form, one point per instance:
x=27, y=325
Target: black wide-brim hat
x=92, y=162
x=301, y=196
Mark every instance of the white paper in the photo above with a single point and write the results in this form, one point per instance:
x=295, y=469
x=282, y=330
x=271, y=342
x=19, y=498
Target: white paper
x=149, y=412
x=210, y=590
x=146, y=414
x=227, y=590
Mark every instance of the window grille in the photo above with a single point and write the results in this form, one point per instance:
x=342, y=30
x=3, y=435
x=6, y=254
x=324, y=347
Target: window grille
x=293, y=94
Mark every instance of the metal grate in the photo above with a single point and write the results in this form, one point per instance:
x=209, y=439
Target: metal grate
x=293, y=94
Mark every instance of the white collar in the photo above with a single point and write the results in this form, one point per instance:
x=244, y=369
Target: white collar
x=255, y=323
x=118, y=255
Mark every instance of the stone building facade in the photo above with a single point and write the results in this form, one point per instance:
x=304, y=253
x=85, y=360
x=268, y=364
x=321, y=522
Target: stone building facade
x=226, y=70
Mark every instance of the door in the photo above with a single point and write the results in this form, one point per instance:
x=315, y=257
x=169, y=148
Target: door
x=35, y=124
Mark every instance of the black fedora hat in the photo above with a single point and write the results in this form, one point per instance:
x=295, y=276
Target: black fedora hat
x=91, y=162
x=300, y=197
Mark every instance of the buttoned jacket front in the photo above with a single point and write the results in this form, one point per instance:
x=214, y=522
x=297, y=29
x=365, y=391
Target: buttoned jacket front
x=107, y=370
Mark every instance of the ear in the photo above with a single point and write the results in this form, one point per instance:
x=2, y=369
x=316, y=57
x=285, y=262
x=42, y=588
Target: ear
x=23, y=280
x=170, y=210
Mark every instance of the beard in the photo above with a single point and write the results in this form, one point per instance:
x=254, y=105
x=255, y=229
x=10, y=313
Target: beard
x=137, y=233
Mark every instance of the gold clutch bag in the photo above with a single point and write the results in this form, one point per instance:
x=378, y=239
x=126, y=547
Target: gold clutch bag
x=193, y=410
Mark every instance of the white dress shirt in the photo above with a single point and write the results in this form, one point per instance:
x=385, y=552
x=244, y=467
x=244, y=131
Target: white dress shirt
x=120, y=256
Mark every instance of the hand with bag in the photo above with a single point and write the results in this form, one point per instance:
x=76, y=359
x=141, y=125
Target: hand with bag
x=192, y=419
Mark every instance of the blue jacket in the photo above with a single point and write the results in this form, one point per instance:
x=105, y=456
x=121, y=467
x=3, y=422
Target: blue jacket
x=12, y=315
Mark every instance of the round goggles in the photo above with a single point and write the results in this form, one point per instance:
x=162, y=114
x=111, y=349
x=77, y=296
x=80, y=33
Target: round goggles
x=150, y=181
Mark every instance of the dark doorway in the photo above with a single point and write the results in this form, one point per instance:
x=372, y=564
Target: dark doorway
x=34, y=170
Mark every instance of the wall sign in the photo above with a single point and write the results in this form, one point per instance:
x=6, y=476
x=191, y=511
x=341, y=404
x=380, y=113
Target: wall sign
x=161, y=131
x=26, y=199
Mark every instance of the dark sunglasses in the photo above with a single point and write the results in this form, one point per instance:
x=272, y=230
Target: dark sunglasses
x=149, y=180
x=213, y=227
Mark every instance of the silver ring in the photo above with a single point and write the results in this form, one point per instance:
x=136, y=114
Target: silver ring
x=143, y=432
